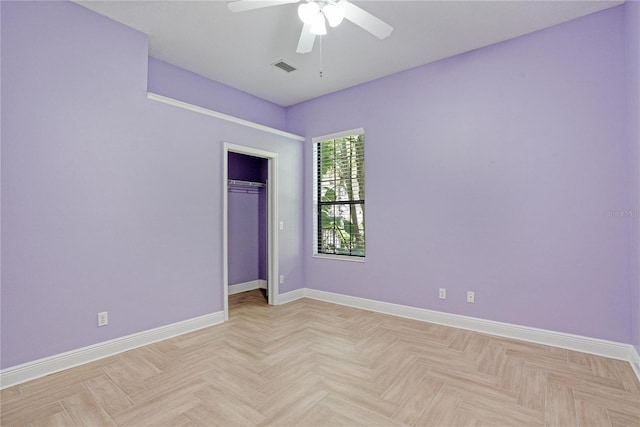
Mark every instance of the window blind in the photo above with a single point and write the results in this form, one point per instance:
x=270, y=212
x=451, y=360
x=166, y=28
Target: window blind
x=340, y=189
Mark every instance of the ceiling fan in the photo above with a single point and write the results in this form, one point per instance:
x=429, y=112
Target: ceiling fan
x=314, y=15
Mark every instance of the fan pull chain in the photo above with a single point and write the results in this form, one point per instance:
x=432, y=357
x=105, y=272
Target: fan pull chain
x=320, y=56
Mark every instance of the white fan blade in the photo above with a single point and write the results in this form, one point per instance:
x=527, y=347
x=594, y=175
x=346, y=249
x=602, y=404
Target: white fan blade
x=244, y=5
x=367, y=21
x=307, y=39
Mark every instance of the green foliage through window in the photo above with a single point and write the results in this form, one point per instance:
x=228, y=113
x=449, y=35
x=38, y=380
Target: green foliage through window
x=340, y=196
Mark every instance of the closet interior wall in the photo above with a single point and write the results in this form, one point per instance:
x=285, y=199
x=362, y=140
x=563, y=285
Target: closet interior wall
x=247, y=223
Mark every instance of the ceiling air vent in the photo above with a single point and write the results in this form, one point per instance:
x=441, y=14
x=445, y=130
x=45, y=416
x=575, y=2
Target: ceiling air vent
x=284, y=66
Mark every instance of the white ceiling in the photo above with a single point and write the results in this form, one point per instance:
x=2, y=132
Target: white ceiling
x=237, y=49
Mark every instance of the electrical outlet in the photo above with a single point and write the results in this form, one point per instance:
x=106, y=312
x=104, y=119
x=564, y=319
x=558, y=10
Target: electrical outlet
x=471, y=297
x=103, y=318
x=442, y=293
x=281, y=279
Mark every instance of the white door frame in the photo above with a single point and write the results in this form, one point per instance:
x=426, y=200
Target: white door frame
x=272, y=221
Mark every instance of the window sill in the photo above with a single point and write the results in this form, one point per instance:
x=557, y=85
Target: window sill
x=340, y=257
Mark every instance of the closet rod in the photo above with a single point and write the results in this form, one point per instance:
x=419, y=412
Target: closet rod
x=245, y=183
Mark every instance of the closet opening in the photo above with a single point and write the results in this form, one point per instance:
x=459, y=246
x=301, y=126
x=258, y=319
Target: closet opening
x=250, y=225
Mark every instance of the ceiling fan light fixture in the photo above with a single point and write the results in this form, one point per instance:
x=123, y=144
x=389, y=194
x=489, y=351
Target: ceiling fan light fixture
x=308, y=12
x=334, y=13
x=318, y=27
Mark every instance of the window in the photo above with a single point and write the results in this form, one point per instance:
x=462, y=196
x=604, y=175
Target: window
x=339, y=194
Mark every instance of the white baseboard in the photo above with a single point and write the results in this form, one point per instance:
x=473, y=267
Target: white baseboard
x=594, y=346
x=59, y=362
x=247, y=286
x=291, y=296
x=49, y=365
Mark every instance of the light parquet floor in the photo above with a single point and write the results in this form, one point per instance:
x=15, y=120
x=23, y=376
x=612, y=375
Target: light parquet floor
x=313, y=363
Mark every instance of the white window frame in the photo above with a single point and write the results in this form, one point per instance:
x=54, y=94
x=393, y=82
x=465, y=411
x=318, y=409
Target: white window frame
x=314, y=192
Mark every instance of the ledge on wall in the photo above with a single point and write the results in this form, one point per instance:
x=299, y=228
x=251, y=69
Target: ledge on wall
x=211, y=113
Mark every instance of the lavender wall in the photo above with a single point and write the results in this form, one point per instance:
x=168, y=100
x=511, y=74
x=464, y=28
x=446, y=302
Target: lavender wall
x=491, y=171
x=109, y=201
x=247, y=221
x=244, y=237
x=502, y=162
x=632, y=28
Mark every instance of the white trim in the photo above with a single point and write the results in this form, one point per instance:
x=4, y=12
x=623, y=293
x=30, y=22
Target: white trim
x=225, y=233
x=272, y=222
x=39, y=368
x=212, y=113
x=635, y=362
x=273, y=248
x=336, y=135
x=292, y=295
x=59, y=362
x=338, y=257
x=594, y=346
x=247, y=286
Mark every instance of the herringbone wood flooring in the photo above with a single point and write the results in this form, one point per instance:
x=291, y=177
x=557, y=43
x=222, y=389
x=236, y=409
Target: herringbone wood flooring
x=314, y=363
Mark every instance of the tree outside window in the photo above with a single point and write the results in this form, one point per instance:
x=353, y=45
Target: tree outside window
x=340, y=196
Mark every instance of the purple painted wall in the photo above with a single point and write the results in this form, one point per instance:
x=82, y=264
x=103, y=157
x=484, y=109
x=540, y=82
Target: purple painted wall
x=247, y=221
x=110, y=201
x=244, y=237
x=492, y=171
x=168, y=80
x=1, y=165
x=632, y=28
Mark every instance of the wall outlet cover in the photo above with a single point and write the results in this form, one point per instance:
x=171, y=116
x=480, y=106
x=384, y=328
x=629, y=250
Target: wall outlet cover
x=103, y=318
